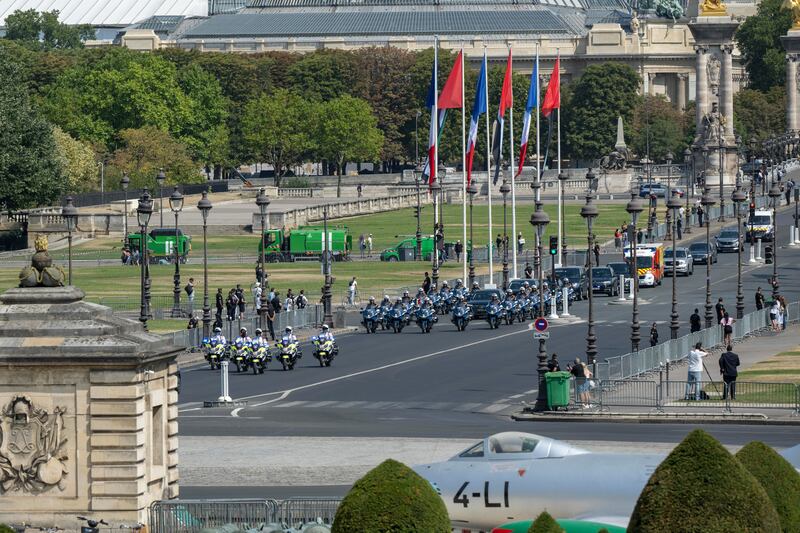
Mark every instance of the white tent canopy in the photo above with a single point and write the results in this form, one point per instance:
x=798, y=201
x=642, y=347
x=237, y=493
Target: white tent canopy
x=106, y=12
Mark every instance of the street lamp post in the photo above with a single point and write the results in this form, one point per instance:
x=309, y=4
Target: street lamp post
x=634, y=209
x=504, y=190
x=435, y=189
x=124, y=182
x=143, y=213
x=589, y=212
x=262, y=201
x=70, y=214
x=472, y=190
x=160, y=179
x=775, y=200
x=689, y=164
x=707, y=201
x=176, y=205
x=674, y=205
x=539, y=220
x=204, y=205
x=738, y=197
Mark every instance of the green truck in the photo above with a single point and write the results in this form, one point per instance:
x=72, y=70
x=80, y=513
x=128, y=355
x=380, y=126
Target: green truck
x=306, y=242
x=406, y=249
x=161, y=244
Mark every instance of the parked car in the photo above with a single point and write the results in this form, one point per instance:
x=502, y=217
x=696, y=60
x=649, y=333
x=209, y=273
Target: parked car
x=701, y=253
x=604, y=280
x=684, y=262
x=577, y=278
x=658, y=189
x=728, y=241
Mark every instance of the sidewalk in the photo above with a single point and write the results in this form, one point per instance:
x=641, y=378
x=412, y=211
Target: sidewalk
x=634, y=400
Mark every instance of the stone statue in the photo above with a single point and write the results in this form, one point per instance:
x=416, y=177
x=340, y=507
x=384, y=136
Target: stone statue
x=713, y=8
x=31, y=442
x=712, y=70
x=670, y=9
x=794, y=7
x=41, y=272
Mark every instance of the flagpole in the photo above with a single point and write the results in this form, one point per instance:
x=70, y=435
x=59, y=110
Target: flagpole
x=512, y=168
x=560, y=191
x=435, y=162
x=465, y=249
x=538, y=147
x=488, y=169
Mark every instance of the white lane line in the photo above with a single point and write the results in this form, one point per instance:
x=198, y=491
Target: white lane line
x=287, y=392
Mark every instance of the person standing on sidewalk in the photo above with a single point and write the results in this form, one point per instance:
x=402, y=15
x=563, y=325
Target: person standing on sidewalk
x=694, y=321
x=694, y=380
x=728, y=362
x=759, y=299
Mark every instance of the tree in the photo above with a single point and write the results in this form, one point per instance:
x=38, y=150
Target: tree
x=277, y=130
x=44, y=31
x=702, y=476
x=30, y=172
x=657, y=120
x=778, y=478
x=146, y=150
x=77, y=161
x=391, y=497
x=347, y=131
x=545, y=523
x=759, y=114
x=759, y=39
x=603, y=93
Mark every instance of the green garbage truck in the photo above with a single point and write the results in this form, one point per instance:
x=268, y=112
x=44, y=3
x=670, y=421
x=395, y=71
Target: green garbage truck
x=306, y=242
x=161, y=243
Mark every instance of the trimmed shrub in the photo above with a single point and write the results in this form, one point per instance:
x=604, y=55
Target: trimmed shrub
x=391, y=498
x=545, y=523
x=701, y=488
x=778, y=478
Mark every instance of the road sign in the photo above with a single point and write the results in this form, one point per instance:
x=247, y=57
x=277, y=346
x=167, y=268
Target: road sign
x=541, y=335
x=540, y=325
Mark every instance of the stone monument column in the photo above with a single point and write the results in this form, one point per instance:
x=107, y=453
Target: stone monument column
x=726, y=88
x=791, y=42
x=701, y=87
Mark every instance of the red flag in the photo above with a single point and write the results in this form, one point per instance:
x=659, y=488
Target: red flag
x=451, y=94
x=552, y=98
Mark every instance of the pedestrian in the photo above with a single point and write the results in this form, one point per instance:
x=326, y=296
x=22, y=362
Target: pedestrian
x=728, y=362
x=458, y=249
x=759, y=299
x=369, y=245
x=694, y=321
x=270, y=321
x=596, y=250
x=694, y=379
x=426, y=284
x=241, y=303
x=788, y=192
x=700, y=213
x=499, y=242
x=528, y=271
x=362, y=244
x=639, y=236
x=679, y=228
x=653, y=334
x=301, y=301
x=220, y=304
x=617, y=239
x=727, y=327
x=520, y=243
x=774, y=311
x=552, y=364
x=189, y=288
x=720, y=309
x=352, y=287
x=582, y=375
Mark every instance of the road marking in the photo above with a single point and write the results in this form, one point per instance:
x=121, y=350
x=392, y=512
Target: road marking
x=287, y=392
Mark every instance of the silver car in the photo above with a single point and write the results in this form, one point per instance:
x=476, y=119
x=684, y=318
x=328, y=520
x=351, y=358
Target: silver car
x=684, y=264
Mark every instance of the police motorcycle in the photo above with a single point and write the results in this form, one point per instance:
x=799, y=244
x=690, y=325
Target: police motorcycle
x=461, y=314
x=396, y=317
x=426, y=316
x=495, y=313
x=288, y=350
x=325, y=348
x=259, y=354
x=216, y=349
x=371, y=316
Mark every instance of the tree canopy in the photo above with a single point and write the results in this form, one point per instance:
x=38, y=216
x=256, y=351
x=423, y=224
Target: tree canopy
x=759, y=39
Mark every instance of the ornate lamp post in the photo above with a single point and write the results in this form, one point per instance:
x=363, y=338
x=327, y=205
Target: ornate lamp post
x=589, y=212
x=738, y=198
x=504, y=190
x=634, y=209
x=775, y=200
x=70, y=214
x=143, y=212
x=204, y=205
x=124, y=182
x=160, y=179
x=262, y=201
x=707, y=201
x=472, y=190
x=176, y=205
x=673, y=205
x=434, y=190
x=688, y=164
x=540, y=220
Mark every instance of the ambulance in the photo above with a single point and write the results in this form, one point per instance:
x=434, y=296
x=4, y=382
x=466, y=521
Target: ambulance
x=649, y=263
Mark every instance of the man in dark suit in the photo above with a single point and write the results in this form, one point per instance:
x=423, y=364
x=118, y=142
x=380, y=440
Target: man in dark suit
x=728, y=363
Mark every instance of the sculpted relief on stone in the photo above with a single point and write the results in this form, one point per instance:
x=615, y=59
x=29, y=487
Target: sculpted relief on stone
x=31, y=447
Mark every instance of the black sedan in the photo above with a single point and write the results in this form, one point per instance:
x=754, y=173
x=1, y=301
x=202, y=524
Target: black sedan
x=604, y=280
x=701, y=253
x=480, y=299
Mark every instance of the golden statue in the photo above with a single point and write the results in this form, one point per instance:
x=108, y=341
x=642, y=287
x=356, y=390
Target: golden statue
x=794, y=7
x=715, y=8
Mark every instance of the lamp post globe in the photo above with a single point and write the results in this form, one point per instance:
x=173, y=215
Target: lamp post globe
x=70, y=214
x=204, y=205
x=143, y=213
x=738, y=197
x=262, y=202
x=472, y=190
x=505, y=188
x=540, y=220
x=634, y=209
x=673, y=206
x=589, y=212
x=707, y=202
x=176, y=206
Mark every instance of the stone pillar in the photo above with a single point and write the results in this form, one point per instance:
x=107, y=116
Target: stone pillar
x=791, y=42
x=701, y=87
x=683, y=80
x=726, y=88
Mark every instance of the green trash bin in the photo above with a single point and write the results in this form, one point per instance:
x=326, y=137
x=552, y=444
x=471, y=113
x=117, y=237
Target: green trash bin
x=557, y=389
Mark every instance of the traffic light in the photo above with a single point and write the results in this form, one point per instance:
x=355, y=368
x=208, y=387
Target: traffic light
x=553, y=245
x=768, y=255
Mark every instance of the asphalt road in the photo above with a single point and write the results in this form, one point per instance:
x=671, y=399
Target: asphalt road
x=451, y=384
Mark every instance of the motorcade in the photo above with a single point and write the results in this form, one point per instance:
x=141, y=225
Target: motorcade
x=703, y=254
x=649, y=263
x=604, y=280
x=683, y=261
x=728, y=240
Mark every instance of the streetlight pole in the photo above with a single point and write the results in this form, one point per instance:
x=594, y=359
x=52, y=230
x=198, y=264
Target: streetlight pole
x=469, y=248
x=262, y=202
x=539, y=220
x=176, y=205
x=504, y=190
x=589, y=212
x=70, y=214
x=143, y=212
x=775, y=200
x=738, y=197
x=204, y=205
x=435, y=188
x=634, y=209
x=160, y=179
x=706, y=201
x=673, y=205
x=124, y=182
x=688, y=164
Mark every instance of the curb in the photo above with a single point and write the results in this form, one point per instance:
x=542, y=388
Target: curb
x=756, y=419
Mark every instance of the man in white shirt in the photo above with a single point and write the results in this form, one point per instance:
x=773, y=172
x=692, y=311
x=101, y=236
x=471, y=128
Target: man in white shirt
x=694, y=380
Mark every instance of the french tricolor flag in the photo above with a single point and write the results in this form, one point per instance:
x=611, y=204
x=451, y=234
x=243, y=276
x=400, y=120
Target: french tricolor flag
x=478, y=107
x=533, y=96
